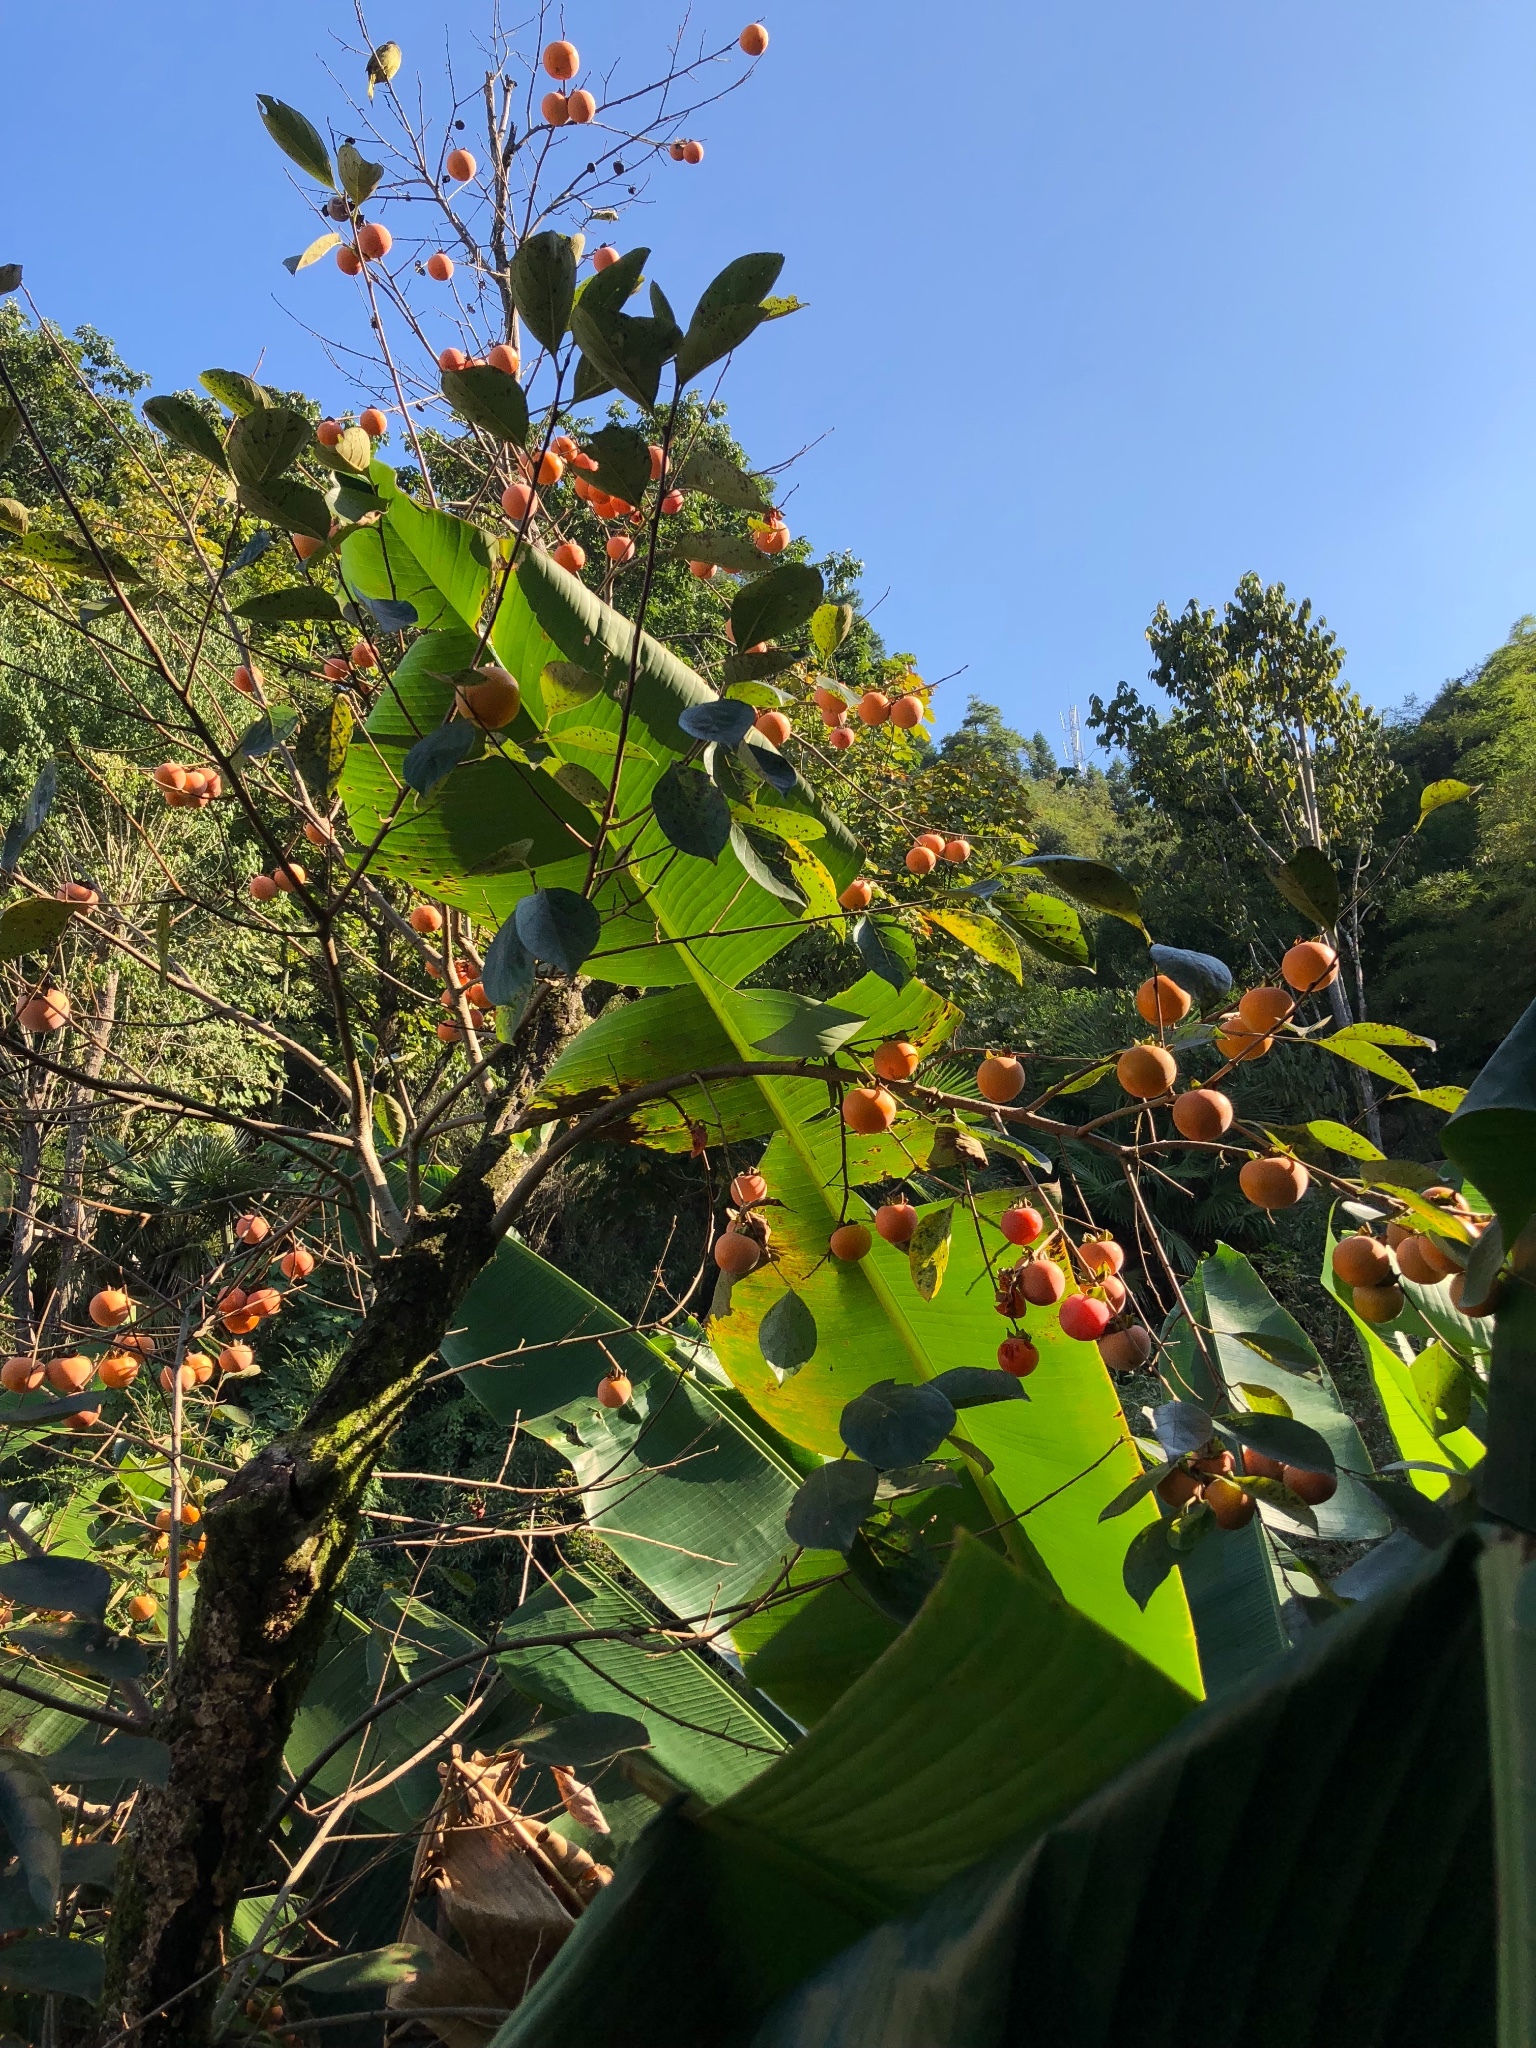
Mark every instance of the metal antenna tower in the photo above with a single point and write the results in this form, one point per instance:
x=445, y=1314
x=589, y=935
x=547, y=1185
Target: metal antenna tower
x=1074, y=737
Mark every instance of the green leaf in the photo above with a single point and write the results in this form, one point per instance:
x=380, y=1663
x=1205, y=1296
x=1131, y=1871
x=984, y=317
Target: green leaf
x=623, y=458
x=775, y=604
x=1092, y=882
x=363, y=1970
x=183, y=422
x=291, y=606
x=558, y=927
x=10, y=430
x=64, y=1585
x=83, y=1646
x=47, y=1965
x=490, y=399
x=628, y=352
x=1279, y=1437
x=886, y=950
x=1340, y=1138
x=984, y=936
x=704, y=1734
x=928, y=1251
x=1360, y=1052
x=32, y=925
x=811, y=1028
x=759, y=868
x=1492, y=1136
x=296, y=137
x=729, y=310
x=1149, y=1558
x=566, y=686
x=30, y=1816
x=1434, y=796
x=581, y=1739
x=359, y=178
x=692, y=812
x=235, y=391
x=1275, y=1349
x=787, y=1334
x=76, y=558
x=435, y=756
x=288, y=503
x=1206, y=978
x=1051, y=927
x=121, y=1759
x=830, y=626
x=1309, y=884
x=1077, y=1939
x=1238, y=1307
x=581, y=783
x=543, y=279
x=320, y=746
x=829, y=1506
x=703, y=470
x=265, y=733
x=733, y=551
x=310, y=254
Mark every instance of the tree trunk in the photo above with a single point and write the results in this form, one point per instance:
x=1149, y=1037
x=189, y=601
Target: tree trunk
x=280, y=1537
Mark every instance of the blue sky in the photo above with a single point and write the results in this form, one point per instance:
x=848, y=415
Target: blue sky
x=1107, y=305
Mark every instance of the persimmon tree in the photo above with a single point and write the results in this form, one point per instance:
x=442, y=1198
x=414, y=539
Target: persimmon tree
x=409, y=741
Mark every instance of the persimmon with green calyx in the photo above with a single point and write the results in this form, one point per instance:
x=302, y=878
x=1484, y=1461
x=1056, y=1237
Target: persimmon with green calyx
x=1018, y=1356
x=1204, y=1114
x=1234, y=1040
x=1257, y=1466
x=1083, y=1318
x=869, y=1110
x=1261, y=1009
x=113, y=1305
x=1312, y=1487
x=1362, y=1261
x=1310, y=965
x=1231, y=1505
x=1126, y=1350
x=896, y=1221
x=613, y=1390
x=1041, y=1282
x=1179, y=1488
x=1277, y=1183
x=896, y=1060
x=737, y=1254
x=1000, y=1077
x=70, y=1374
x=46, y=1012
x=1021, y=1224
x=1160, y=1000
x=1380, y=1304
x=849, y=1241
x=492, y=702
x=1102, y=1255
x=1146, y=1071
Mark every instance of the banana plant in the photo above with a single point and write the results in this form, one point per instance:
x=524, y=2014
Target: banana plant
x=723, y=855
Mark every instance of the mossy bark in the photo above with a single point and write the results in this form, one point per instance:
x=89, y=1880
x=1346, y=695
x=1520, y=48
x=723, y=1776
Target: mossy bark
x=279, y=1538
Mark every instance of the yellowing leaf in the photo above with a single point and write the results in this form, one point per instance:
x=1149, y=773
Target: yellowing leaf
x=1340, y=1138
x=928, y=1253
x=984, y=935
x=317, y=248
x=1434, y=796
